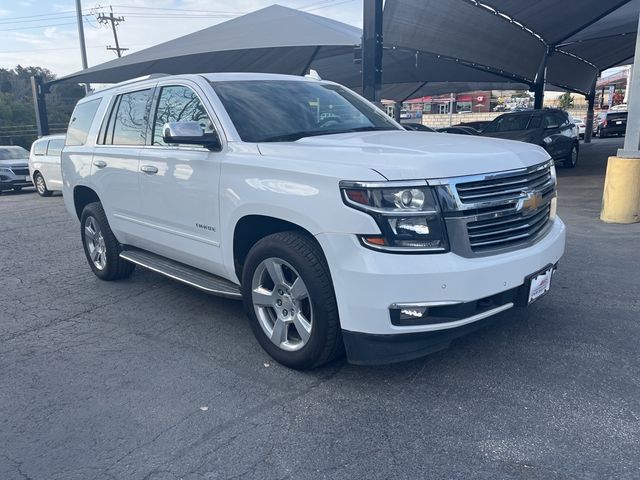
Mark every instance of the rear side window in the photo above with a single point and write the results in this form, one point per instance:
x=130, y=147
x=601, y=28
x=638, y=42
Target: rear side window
x=129, y=119
x=55, y=147
x=81, y=120
x=40, y=147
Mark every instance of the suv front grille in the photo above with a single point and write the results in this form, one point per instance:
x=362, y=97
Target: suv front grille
x=20, y=171
x=507, y=230
x=504, y=188
x=497, y=212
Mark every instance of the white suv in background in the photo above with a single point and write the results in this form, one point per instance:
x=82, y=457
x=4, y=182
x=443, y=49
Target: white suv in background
x=337, y=227
x=44, y=164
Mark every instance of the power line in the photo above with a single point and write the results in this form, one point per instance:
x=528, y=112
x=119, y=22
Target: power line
x=37, y=26
x=65, y=48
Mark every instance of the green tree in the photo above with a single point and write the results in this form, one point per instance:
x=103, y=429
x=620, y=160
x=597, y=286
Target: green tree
x=565, y=101
x=17, y=114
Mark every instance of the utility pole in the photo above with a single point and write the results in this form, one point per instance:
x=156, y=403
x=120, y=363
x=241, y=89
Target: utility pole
x=83, y=47
x=114, y=21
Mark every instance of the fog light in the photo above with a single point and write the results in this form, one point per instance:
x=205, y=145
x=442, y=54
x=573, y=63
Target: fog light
x=407, y=313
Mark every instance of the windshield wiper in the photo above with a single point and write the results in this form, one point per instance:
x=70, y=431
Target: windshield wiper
x=292, y=137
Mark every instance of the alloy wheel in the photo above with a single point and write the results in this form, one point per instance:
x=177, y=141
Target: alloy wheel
x=40, y=186
x=95, y=243
x=282, y=304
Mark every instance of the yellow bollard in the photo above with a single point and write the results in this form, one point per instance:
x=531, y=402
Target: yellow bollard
x=621, y=198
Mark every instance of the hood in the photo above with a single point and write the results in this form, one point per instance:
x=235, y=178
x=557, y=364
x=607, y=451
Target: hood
x=406, y=155
x=15, y=162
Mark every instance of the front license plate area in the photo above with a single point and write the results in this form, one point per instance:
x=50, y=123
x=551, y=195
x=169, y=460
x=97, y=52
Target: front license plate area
x=539, y=284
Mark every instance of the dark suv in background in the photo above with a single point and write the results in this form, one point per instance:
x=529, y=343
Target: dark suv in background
x=611, y=123
x=550, y=128
x=14, y=168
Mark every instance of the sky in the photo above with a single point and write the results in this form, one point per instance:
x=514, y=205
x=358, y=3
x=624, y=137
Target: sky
x=44, y=33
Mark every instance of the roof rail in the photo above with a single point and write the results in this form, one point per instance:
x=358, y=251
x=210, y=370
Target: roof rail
x=133, y=80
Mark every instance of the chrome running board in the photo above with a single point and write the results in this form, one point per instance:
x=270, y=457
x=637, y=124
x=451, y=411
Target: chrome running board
x=182, y=273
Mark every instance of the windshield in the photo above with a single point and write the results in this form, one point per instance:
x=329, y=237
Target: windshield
x=13, y=153
x=287, y=110
x=508, y=123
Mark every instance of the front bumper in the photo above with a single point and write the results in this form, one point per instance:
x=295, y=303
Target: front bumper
x=10, y=184
x=367, y=283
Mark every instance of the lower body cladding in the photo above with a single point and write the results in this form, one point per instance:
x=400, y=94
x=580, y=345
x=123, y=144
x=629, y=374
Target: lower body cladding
x=395, y=307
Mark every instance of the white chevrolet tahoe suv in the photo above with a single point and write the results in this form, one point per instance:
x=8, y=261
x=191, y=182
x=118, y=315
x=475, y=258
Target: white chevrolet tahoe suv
x=339, y=229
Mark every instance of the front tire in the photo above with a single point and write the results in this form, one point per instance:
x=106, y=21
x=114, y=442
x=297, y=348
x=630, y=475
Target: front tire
x=572, y=160
x=289, y=298
x=100, y=245
x=41, y=185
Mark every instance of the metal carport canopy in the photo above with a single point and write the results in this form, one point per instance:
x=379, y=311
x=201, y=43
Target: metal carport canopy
x=278, y=39
x=512, y=37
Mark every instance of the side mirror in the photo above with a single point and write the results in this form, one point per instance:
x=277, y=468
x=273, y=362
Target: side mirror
x=189, y=133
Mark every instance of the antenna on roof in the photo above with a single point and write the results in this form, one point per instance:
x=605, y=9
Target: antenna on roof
x=313, y=74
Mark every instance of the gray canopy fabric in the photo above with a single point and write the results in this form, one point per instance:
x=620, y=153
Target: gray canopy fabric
x=430, y=46
x=512, y=36
x=275, y=39
x=278, y=39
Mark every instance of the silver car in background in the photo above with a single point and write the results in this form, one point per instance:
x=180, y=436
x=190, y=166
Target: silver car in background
x=14, y=168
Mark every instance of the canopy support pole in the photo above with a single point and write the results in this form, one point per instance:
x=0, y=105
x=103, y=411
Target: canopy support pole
x=38, y=90
x=372, y=50
x=306, y=68
x=540, y=81
x=397, y=110
x=621, y=197
x=591, y=100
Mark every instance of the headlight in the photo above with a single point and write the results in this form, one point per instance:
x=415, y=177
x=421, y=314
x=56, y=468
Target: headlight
x=5, y=170
x=408, y=215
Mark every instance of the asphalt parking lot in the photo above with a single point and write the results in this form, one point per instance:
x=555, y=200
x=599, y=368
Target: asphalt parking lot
x=149, y=379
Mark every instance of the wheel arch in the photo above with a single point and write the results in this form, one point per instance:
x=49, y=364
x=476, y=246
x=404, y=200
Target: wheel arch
x=249, y=229
x=83, y=196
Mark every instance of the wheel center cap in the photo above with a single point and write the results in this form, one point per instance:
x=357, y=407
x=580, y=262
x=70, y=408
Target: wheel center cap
x=287, y=302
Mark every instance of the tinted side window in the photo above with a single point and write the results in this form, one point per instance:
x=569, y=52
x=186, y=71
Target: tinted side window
x=549, y=119
x=55, y=147
x=130, y=120
x=563, y=119
x=40, y=147
x=508, y=123
x=81, y=120
x=536, y=122
x=179, y=104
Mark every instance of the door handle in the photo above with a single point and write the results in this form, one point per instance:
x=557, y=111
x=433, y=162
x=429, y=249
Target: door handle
x=100, y=163
x=149, y=169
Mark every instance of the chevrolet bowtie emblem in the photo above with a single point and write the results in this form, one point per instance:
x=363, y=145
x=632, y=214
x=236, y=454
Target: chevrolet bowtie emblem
x=529, y=204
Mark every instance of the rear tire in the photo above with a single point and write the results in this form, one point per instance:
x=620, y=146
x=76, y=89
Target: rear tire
x=41, y=185
x=275, y=300
x=100, y=245
x=572, y=160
